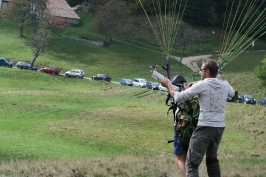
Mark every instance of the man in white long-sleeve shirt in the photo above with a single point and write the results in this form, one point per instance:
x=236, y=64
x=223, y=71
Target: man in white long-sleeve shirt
x=212, y=94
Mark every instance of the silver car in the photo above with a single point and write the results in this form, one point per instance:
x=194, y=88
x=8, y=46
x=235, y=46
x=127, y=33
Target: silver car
x=78, y=73
x=139, y=82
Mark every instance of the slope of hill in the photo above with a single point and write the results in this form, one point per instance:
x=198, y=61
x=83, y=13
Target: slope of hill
x=56, y=126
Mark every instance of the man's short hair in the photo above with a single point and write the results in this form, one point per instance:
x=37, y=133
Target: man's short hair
x=212, y=66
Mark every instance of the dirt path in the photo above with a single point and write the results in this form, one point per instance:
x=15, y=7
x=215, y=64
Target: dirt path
x=191, y=62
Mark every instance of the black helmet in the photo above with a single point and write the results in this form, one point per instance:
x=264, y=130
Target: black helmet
x=178, y=79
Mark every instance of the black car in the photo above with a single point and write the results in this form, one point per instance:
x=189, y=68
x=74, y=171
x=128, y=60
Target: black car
x=105, y=77
x=126, y=81
x=229, y=99
x=246, y=99
x=25, y=65
x=262, y=102
x=5, y=62
x=152, y=85
x=22, y=65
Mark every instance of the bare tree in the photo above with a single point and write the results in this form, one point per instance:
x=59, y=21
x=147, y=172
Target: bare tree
x=40, y=39
x=38, y=43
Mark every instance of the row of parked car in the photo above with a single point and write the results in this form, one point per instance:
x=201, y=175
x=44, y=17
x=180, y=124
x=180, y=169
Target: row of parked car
x=142, y=83
x=78, y=73
x=247, y=99
x=137, y=82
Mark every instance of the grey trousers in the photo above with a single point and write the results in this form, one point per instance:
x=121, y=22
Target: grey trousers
x=205, y=140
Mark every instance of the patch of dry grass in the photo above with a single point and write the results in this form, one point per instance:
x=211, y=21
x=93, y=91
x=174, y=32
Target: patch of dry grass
x=126, y=166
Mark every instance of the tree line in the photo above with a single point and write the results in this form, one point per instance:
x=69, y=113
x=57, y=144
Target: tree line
x=126, y=17
x=198, y=13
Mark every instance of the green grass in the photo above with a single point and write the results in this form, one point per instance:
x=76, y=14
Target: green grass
x=51, y=112
x=58, y=126
x=54, y=120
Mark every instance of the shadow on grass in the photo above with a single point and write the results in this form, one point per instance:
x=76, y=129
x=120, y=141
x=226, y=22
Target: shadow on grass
x=73, y=51
x=143, y=94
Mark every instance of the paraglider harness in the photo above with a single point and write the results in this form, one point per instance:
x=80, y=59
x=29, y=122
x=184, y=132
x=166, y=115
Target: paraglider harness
x=185, y=113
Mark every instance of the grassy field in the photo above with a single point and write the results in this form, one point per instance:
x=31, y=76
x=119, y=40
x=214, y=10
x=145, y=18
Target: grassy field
x=66, y=127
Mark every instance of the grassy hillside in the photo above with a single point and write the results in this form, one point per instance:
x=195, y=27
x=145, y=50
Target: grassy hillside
x=57, y=126
x=120, y=59
x=52, y=125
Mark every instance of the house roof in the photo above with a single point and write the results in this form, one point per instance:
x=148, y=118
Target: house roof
x=60, y=8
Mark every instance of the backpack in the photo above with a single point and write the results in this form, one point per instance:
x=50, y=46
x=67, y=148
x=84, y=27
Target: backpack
x=186, y=115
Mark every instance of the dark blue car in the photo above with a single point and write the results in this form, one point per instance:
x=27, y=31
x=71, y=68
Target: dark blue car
x=5, y=62
x=126, y=81
x=105, y=77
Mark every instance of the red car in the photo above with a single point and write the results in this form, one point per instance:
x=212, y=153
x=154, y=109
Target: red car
x=51, y=70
